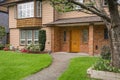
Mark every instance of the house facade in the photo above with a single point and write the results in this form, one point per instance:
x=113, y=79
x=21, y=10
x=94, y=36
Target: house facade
x=73, y=31
x=4, y=23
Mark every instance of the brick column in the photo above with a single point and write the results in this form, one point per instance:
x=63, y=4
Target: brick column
x=91, y=36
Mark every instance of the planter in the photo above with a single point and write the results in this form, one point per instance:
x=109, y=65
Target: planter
x=104, y=75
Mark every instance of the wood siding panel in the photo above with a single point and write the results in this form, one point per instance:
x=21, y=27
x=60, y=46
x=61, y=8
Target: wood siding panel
x=29, y=22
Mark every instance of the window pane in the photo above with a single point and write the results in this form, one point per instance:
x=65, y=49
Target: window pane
x=85, y=35
x=22, y=37
x=29, y=37
x=36, y=34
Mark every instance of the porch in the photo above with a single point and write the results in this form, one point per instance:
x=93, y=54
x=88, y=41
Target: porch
x=84, y=37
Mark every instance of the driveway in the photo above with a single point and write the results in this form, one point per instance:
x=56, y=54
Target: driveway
x=59, y=65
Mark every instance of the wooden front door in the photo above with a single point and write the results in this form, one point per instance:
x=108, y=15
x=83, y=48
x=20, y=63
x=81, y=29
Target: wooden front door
x=75, y=41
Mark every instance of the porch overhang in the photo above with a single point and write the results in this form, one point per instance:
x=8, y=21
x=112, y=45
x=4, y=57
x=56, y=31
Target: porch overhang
x=76, y=21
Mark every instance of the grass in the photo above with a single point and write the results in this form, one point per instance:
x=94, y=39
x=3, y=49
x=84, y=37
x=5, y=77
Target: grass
x=16, y=66
x=77, y=69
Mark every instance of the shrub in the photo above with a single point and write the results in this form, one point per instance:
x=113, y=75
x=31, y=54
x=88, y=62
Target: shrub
x=6, y=49
x=1, y=46
x=33, y=47
x=24, y=50
x=2, y=32
x=42, y=39
x=105, y=53
x=105, y=65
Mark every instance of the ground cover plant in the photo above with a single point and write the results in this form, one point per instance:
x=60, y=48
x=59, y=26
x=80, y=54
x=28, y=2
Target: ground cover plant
x=77, y=69
x=16, y=66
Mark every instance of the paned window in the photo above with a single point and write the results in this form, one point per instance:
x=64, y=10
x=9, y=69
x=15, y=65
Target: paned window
x=27, y=10
x=29, y=36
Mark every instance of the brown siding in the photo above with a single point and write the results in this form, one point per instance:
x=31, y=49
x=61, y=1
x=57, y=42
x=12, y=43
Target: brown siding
x=29, y=22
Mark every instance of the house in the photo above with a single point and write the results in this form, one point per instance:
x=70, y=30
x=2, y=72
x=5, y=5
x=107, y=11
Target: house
x=67, y=32
x=4, y=23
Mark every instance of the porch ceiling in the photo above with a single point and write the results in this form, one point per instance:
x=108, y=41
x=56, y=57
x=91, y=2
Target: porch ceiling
x=78, y=21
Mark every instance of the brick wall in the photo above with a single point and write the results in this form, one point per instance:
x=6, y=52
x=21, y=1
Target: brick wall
x=99, y=40
x=12, y=20
x=58, y=43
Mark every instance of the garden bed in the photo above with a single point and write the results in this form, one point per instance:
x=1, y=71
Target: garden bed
x=104, y=75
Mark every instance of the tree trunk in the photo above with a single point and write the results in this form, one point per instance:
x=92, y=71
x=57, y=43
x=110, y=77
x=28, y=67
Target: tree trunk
x=116, y=47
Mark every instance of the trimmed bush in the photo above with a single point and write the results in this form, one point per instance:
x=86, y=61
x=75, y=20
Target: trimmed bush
x=42, y=39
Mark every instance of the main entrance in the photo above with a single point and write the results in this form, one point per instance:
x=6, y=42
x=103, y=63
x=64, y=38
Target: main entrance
x=75, y=40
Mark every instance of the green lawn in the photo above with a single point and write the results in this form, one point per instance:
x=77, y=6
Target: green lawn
x=78, y=68
x=16, y=66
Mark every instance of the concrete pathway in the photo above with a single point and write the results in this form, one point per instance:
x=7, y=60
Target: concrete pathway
x=60, y=63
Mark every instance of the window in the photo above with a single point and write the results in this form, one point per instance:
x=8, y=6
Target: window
x=105, y=34
x=105, y=3
x=26, y=10
x=29, y=36
x=39, y=9
x=80, y=1
x=85, y=35
x=65, y=34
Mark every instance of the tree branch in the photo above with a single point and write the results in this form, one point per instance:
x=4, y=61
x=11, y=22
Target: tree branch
x=91, y=10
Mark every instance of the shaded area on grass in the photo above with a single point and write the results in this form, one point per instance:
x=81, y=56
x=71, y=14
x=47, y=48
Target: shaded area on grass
x=77, y=69
x=15, y=66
